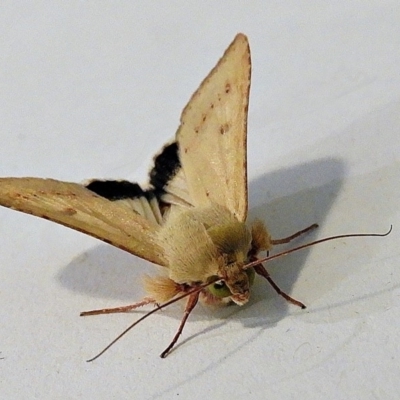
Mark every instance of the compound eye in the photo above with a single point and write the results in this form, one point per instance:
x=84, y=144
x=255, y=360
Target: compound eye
x=219, y=289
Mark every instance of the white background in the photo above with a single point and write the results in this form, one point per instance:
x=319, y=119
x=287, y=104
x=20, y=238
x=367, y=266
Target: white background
x=94, y=89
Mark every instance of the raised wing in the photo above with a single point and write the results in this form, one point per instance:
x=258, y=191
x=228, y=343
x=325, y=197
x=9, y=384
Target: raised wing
x=73, y=205
x=212, y=134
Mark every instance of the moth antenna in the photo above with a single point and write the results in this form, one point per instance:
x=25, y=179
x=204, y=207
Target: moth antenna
x=158, y=308
x=304, y=246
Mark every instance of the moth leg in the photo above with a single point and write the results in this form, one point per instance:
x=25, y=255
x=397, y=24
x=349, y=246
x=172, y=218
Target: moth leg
x=294, y=236
x=122, y=309
x=191, y=303
x=260, y=270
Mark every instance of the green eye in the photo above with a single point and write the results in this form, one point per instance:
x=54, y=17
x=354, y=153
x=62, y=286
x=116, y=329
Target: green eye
x=251, y=274
x=219, y=289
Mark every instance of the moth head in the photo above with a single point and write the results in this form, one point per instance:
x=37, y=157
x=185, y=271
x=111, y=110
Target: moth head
x=235, y=284
x=233, y=241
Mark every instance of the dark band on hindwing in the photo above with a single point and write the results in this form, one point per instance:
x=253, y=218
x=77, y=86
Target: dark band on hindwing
x=162, y=191
x=166, y=166
x=116, y=190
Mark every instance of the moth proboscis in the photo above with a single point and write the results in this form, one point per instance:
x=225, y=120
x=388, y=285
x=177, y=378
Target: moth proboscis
x=191, y=218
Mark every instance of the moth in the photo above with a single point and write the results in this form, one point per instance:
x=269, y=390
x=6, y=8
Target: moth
x=191, y=217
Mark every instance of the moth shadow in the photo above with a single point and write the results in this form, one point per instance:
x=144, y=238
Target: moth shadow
x=105, y=272
x=303, y=195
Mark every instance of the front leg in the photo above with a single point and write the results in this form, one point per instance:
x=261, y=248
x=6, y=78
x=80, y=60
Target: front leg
x=122, y=309
x=260, y=270
x=190, y=305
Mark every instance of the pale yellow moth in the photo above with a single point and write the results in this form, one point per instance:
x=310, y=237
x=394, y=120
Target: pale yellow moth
x=191, y=219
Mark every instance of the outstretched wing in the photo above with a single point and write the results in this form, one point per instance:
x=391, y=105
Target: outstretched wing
x=207, y=163
x=212, y=134
x=73, y=205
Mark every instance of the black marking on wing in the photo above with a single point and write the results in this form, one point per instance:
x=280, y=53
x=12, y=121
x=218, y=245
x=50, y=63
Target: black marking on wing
x=166, y=166
x=144, y=202
x=119, y=190
x=162, y=192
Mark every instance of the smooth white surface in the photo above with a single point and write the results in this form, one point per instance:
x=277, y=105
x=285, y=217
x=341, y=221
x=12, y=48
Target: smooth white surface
x=94, y=89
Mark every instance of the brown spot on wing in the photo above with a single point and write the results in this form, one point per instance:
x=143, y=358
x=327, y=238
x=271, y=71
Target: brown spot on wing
x=224, y=128
x=69, y=211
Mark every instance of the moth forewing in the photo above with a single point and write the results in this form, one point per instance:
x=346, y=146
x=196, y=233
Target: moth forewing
x=76, y=207
x=212, y=134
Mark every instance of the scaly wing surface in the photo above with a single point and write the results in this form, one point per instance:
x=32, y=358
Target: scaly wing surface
x=213, y=130
x=73, y=205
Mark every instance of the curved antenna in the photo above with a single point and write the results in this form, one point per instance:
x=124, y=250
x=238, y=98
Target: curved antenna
x=304, y=246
